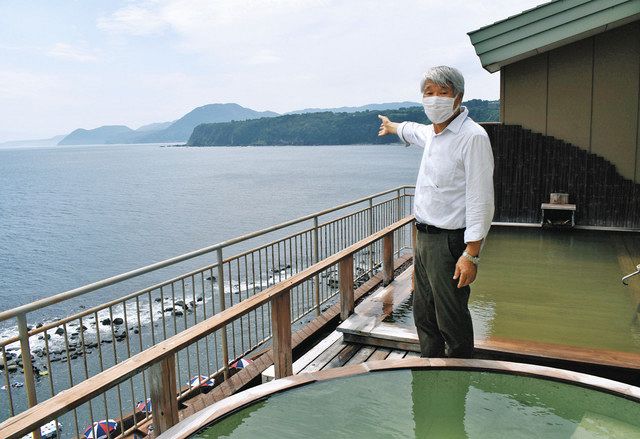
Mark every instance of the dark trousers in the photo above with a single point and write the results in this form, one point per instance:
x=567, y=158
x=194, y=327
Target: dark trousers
x=440, y=309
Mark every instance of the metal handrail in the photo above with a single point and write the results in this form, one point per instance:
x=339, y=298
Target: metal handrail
x=624, y=279
x=57, y=298
x=37, y=415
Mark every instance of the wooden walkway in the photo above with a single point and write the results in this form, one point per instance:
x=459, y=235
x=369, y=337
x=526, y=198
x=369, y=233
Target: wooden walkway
x=334, y=351
x=306, y=335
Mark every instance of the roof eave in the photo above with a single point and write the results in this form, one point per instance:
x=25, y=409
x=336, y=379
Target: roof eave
x=493, y=64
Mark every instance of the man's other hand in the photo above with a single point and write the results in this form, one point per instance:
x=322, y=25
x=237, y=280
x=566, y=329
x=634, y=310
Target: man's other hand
x=465, y=272
x=386, y=126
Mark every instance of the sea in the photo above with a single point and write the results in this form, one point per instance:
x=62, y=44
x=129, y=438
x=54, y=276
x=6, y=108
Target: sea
x=72, y=215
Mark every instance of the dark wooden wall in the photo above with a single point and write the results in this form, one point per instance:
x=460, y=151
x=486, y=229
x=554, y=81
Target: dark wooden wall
x=529, y=166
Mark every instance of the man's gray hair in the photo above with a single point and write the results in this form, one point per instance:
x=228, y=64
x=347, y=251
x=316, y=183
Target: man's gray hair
x=444, y=76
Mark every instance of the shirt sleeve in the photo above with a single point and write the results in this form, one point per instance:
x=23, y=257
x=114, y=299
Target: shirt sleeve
x=478, y=165
x=412, y=133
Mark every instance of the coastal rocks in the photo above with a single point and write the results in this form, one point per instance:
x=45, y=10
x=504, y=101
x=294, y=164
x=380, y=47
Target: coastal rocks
x=59, y=331
x=9, y=365
x=118, y=321
x=333, y=281
x=179, y=307
x=106, y=322
x=329, y=273
x=279, y=269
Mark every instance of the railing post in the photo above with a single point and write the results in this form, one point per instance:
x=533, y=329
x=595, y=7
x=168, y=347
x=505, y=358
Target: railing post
x=345, y=273
x=414, y=242
x=370, y=232
x=162, y=378
x=281, y=334
x=387, y=258
x=27, y=366
x=225, y=347
x=316, y=258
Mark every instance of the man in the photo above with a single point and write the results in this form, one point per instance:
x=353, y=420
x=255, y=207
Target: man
x=453, y=207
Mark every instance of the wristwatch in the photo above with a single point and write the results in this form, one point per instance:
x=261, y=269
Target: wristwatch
x=474, y=259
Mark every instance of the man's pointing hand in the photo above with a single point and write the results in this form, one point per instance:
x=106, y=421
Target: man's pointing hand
x=386, y=126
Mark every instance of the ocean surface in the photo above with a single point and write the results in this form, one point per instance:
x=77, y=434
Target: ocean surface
x=76, y=214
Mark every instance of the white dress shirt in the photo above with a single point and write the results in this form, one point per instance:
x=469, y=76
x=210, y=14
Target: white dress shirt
x=455, y=181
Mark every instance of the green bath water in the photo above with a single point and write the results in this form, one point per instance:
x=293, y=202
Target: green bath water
x=553, y=287
x=434, y=404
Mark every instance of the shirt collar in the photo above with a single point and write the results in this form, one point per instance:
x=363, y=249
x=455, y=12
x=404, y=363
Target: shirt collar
x=455, y=125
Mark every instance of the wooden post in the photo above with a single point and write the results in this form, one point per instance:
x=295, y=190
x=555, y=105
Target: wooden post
x=163, y=394
x=281, y=334
x=223, y=306
x=27, y=366
x=387, y=259
x=345, y=272
x=414, y=243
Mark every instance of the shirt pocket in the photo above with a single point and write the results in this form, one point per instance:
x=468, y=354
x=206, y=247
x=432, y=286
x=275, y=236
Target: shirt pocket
x=443, y=173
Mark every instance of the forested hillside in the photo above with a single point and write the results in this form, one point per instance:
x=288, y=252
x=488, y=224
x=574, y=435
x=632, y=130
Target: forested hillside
x=325, y=128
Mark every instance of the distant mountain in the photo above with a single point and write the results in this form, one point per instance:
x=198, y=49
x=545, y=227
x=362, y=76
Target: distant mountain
x=212, y=115
x=370, y=107
x=96, y=136
x=154, y=126
x=324, y=128
x=52, y=141
x=177, y=131
x=180, y=130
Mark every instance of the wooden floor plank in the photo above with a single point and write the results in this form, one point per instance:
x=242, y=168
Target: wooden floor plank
x=363, y=353
x=627, y=360
x=379, y=354
x=343, y=356
x=308, y=357
x=396, y=354
x=325, y=357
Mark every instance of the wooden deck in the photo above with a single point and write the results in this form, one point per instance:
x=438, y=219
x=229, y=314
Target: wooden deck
x=334, y=351
x=264, y=360
x=392, y=343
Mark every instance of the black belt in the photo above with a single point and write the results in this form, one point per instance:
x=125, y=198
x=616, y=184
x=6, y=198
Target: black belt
x=427, y=228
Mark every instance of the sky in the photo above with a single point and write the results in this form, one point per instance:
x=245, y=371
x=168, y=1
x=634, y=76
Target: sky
x=86, y=63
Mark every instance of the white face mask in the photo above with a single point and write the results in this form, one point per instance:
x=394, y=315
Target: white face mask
x=438, y=108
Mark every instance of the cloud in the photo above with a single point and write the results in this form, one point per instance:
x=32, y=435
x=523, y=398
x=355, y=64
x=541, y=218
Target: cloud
x=204, y=24
x=72, y=53
x=144, y=19
x=162, y=58
x=21, y=84
x=264, y=57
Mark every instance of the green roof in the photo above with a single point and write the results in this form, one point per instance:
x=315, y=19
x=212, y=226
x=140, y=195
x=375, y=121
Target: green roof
x=548, y=26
